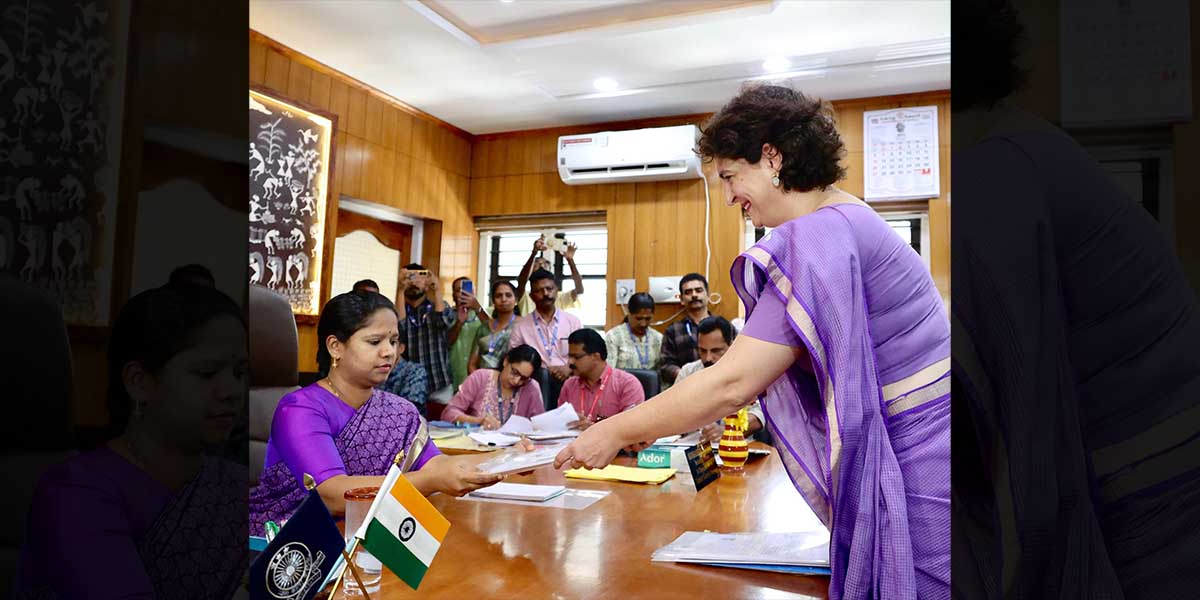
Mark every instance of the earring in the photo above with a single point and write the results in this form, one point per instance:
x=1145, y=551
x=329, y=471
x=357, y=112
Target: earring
x=137, y=409
x=775, y=180
x=335, y=361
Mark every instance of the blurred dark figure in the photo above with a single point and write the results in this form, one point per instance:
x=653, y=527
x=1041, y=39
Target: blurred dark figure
x=192, y=274
x=1076, y=356
x=365, y=285
x=37, y=432
x=145, y=515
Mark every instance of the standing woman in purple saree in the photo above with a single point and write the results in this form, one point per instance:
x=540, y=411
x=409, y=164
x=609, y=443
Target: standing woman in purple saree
x=847, y=343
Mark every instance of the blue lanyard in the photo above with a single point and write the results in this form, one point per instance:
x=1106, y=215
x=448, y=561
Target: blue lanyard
x=503, y=416
x=496, y=335
x=643, y=357
x=551, y=345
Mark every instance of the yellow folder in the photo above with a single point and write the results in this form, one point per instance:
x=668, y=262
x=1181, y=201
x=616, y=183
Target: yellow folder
x=619, y=473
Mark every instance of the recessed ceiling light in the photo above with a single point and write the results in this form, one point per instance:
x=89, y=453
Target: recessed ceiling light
x=507, y=1
x=776, y=64
x=605, y=84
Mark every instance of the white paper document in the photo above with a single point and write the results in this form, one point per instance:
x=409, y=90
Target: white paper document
x=493, y=438
x=516, y=424
x=801, y=548
x=520, y=491
x=555, y=420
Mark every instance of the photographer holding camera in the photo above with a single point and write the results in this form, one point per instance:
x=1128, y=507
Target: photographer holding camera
x=427, y=320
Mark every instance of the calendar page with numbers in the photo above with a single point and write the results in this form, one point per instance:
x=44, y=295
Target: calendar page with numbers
x=1125, y=62
x=900, y=156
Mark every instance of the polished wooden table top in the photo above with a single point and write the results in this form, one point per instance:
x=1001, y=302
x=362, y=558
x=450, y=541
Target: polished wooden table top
x=496, y=550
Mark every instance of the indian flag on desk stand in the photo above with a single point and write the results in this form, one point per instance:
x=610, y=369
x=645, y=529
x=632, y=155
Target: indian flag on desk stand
x=402, y=529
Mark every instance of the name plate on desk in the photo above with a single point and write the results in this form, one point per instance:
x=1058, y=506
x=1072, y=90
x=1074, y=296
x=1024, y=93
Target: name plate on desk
x=703, y=465
x=654, y=457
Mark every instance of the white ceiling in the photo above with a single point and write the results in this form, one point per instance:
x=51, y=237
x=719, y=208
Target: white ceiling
x=664, y=66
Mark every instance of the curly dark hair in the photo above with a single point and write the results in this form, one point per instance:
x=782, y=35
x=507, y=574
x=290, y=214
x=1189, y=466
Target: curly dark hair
x=988, y=38
x=802, y=128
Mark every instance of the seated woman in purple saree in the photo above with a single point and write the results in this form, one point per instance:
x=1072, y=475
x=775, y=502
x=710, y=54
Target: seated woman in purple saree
x=847, y=344
x=152, y=513
x=342, y=430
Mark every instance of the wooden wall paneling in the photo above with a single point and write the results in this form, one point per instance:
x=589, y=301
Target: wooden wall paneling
x=496, y=158
x=688, y=220
x=388, y=127
x=479, y=154
x=308, y=348
x=402, y=181
x=356, y=123
x=387, y=169
x=432, y=248
x=531, y=190
x=404, y=133
x=667, y=236
x=420, y=140
x=373, y=125
x=643, y=240
x=547, y=153
x=853, y=183
x=318, y=92
x=258, y=63
x=339, y=100
x=352, y=171
x=277, y=71
x=299, y=81
x=438, y=195
x=849, y=125
x=511, y=200
x=531, y=151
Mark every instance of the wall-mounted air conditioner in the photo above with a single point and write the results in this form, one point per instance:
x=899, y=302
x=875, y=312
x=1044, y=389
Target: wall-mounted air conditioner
x=655, y=154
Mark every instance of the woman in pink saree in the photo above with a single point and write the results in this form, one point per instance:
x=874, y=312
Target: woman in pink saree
x=846, y=343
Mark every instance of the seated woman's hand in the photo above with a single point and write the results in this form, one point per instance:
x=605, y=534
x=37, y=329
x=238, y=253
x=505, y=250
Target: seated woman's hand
x=458, y=475
x=490, y=422
x=712, y=432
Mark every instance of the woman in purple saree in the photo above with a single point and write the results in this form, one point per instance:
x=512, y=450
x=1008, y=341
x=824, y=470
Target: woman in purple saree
x=342, y=430
x=846, y=342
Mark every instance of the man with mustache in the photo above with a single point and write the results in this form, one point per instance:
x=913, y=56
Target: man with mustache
x=597, y=390
x=679, y=340
x=567, y=300
x=715, y=334
x=548, y=327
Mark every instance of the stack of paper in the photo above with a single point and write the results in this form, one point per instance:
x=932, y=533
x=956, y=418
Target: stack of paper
x=520, y=491
x=802, y=552
x=546, y=426
x=620, y=473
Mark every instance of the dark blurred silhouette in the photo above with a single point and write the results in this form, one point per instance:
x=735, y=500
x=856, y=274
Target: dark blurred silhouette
x=1076, y=349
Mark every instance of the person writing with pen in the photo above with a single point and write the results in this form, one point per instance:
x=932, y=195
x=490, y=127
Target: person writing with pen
x=489, y=397
x=596, y=390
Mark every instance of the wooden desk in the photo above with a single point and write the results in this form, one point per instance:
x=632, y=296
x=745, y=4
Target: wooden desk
x=496, y=550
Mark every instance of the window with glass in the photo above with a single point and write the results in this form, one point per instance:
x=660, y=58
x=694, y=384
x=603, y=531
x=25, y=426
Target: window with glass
x=505, y=252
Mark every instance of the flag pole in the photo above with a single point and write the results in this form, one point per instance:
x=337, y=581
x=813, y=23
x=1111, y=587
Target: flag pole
x=311, y=485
